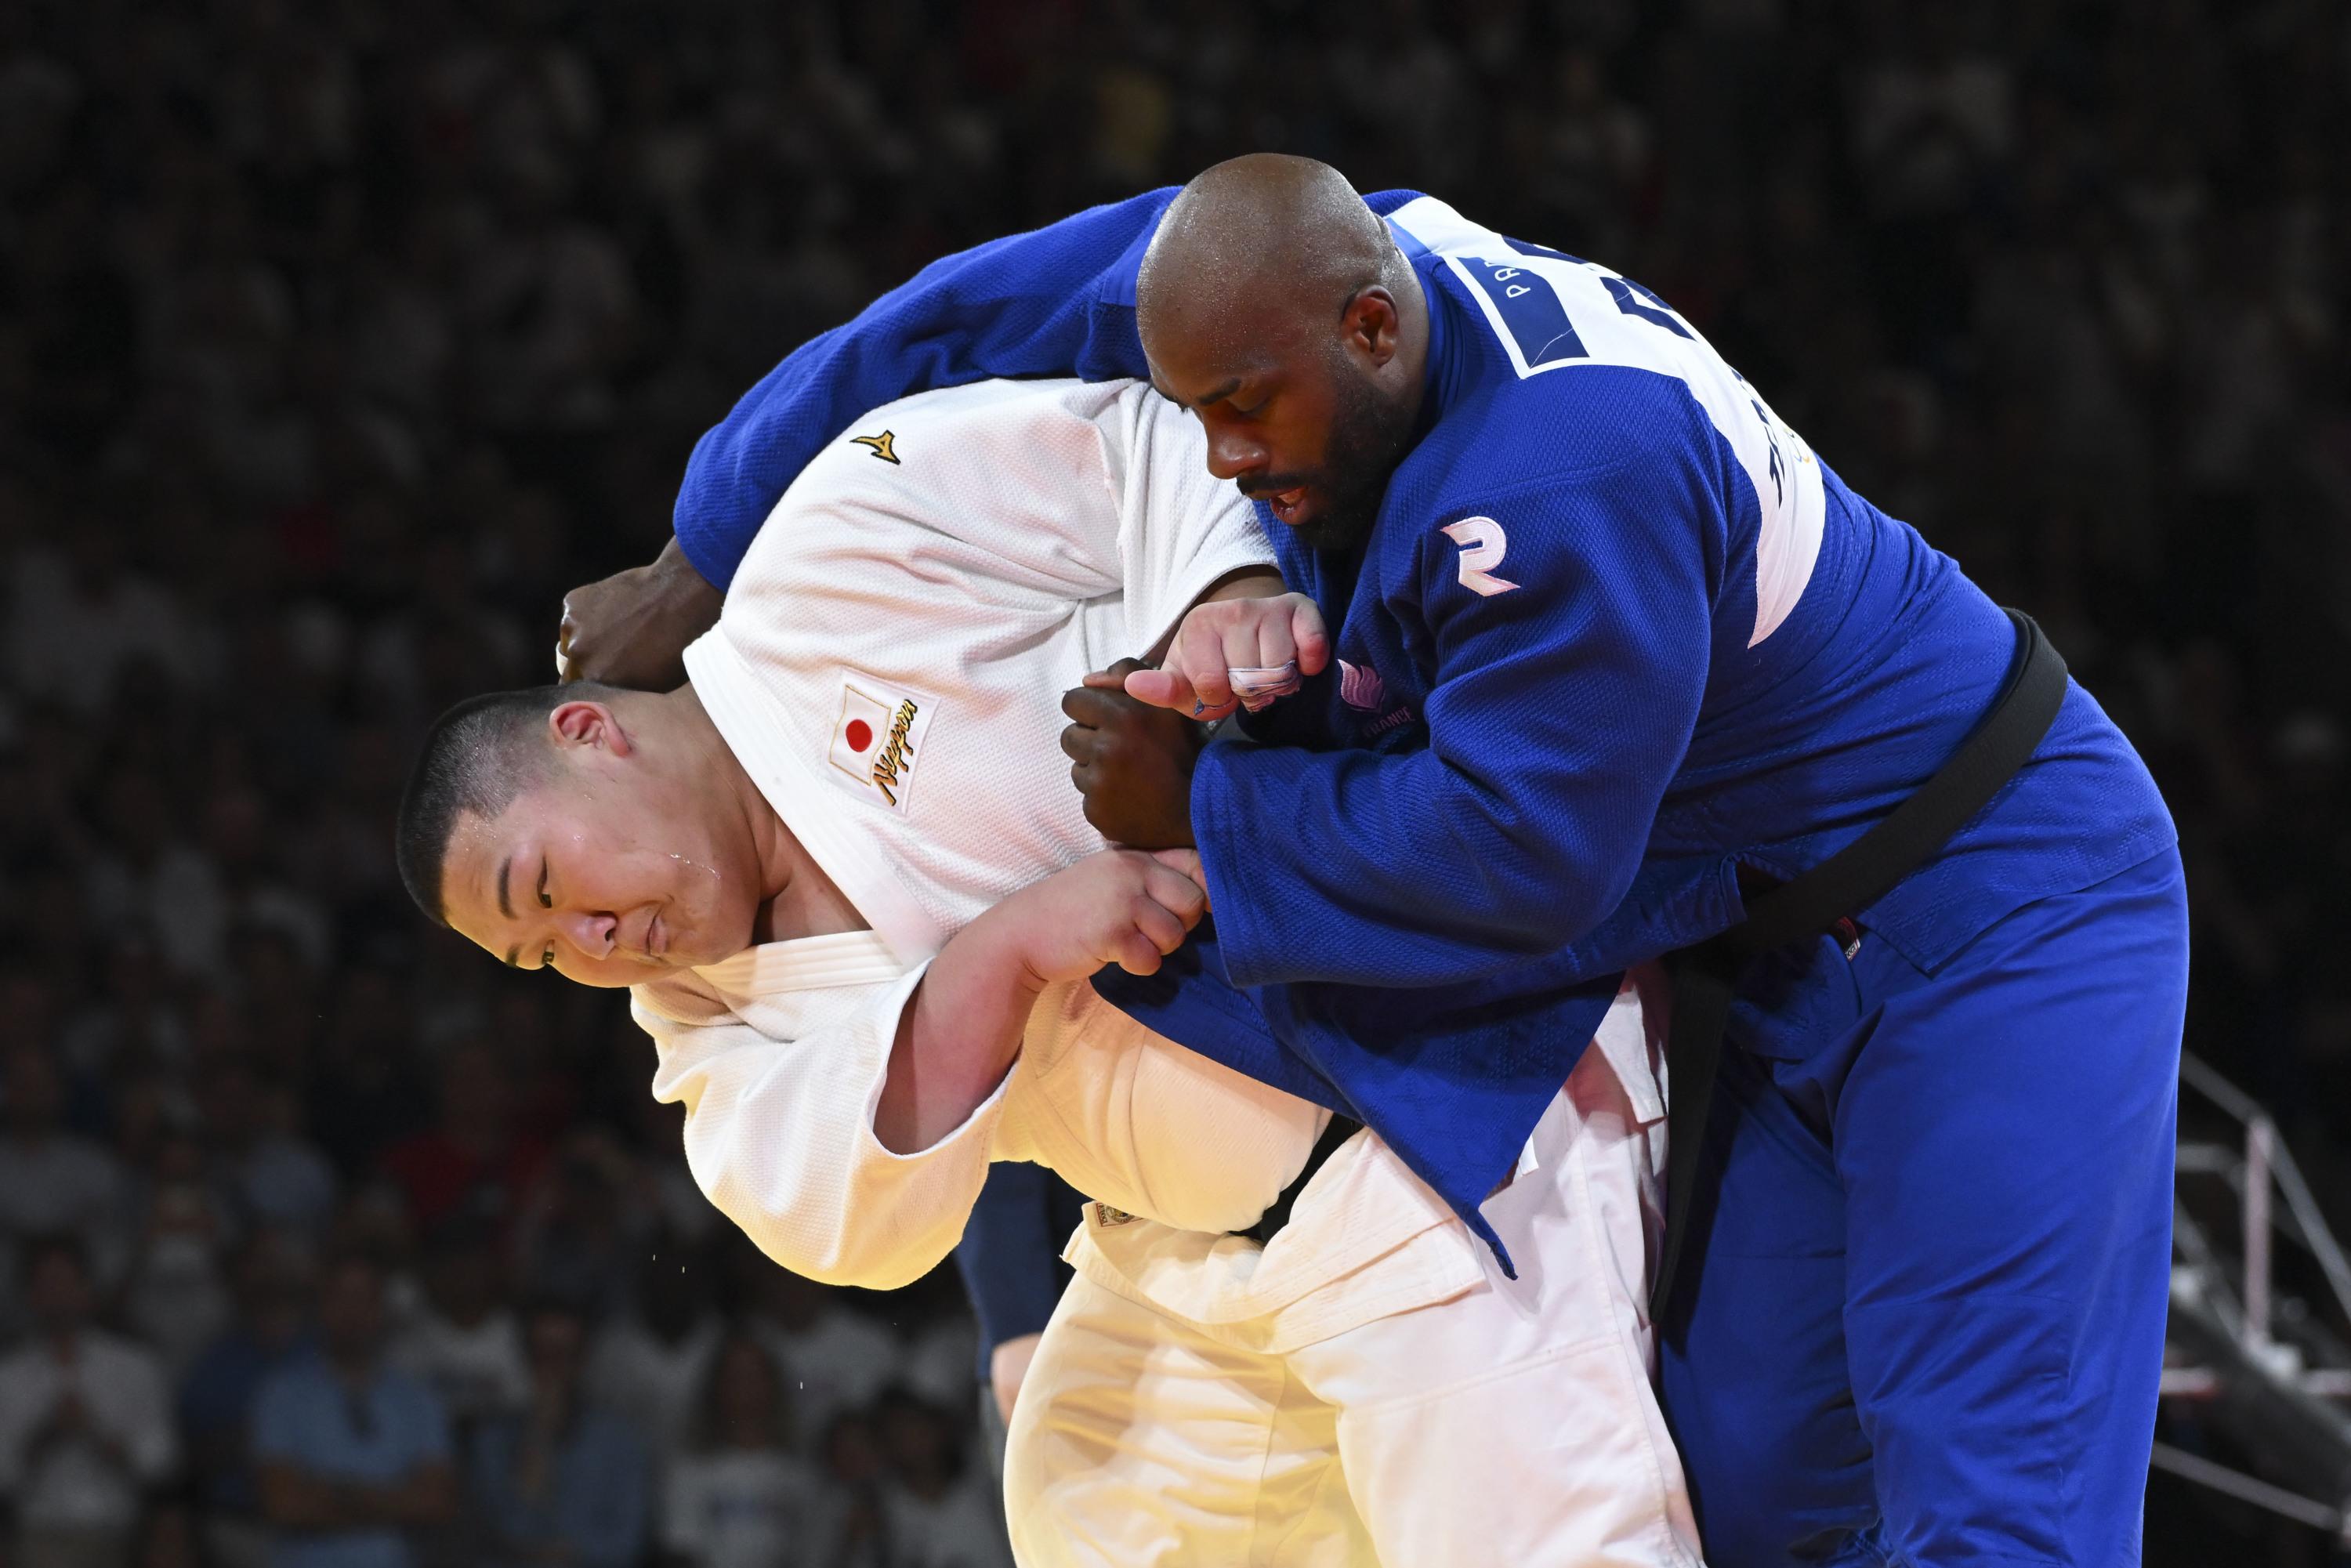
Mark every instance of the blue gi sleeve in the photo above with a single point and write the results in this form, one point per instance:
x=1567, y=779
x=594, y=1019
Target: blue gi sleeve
x=1058, y=300
x=1010, y=1255
x=1569, y=632
x=1055, y=301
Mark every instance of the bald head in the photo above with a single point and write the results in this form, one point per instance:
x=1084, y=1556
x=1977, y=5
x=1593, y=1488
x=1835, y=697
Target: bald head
x=1275, y=305
x=1264, y=232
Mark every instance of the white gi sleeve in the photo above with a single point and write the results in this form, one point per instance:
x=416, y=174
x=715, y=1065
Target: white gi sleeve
x=780, y=1137
x=1180, y=526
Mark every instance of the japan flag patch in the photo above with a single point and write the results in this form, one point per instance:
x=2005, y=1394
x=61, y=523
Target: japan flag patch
x=878, y=738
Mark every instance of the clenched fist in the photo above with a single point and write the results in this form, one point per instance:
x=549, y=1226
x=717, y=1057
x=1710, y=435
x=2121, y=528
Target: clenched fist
x=1132, y=762
x=1117, y=907
x=1221, y=636
x=630, y=629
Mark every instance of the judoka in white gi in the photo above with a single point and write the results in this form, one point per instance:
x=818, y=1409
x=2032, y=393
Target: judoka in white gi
x=856, y=899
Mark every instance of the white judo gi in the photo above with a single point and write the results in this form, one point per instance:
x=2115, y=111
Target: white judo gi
x=1367, y=1388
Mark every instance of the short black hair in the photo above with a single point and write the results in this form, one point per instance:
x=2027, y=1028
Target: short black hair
x=475, y=759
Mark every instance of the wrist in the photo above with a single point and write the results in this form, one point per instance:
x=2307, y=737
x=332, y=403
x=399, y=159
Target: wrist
x=680, y=576
x=1245, y=583
x=1006, y=938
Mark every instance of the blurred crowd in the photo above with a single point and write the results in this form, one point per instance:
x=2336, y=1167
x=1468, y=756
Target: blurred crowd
x=338, y=339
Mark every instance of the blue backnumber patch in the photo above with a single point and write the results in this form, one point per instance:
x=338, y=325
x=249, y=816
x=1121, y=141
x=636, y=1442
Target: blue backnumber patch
x=1530, y=311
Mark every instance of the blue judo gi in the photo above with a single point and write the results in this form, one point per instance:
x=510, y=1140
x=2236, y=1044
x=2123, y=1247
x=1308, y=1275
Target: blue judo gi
x=1617, y=634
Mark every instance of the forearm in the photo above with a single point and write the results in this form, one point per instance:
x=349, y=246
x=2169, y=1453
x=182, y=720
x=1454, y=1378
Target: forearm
x=959, y=1034
x=853, y=1156
x=963, y=1024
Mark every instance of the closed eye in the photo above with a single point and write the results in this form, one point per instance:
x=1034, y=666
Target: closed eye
x=544, y=902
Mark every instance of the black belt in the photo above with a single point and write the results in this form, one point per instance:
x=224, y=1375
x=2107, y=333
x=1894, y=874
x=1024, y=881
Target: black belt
x=1277, y=1213
x=1704, y=977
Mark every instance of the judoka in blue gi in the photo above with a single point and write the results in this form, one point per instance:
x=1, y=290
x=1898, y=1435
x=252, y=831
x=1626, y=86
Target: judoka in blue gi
x=1609, y=648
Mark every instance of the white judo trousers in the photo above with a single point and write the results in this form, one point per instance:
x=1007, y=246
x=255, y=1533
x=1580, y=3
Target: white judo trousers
x=1515, y=1423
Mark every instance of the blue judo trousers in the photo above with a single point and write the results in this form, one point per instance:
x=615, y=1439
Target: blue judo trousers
x=1936, y=1220
x=1617, y=637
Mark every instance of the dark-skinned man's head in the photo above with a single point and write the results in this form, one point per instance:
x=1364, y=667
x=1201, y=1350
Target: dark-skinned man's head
x=1276, y=308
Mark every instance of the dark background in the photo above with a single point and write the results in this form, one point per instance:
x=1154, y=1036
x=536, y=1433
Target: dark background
x=338, y=338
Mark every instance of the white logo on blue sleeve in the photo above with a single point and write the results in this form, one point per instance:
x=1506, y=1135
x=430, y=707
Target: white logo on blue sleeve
x=1483, y=545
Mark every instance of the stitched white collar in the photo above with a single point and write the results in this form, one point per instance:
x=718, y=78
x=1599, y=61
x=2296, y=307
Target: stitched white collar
x=805, y=964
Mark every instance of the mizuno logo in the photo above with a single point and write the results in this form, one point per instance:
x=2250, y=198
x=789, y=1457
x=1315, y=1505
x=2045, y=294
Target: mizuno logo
x=880, y=445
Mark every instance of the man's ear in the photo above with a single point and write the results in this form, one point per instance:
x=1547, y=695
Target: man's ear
x=1372, y=326
x=589, y=724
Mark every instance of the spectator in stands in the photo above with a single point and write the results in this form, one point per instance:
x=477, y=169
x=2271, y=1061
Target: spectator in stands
x=739, y=1497
x=374, y=1221
x=368, y=1090
x=584, y=1223
x=85, y=1423
x=354, y=1454
x=854, y=1472
x=271, y=1332
x=465, y=1344
x=82, y=616
x=171, y=1539
x=471, y=1159
x=560, y=1481
x=936, y=1357
x=835, y=1360
x=267, y=1171
x=52, y=1181
x=936, y=1512
x=146, y=877
x=176, y=1296
x=131, y=1020
x=648, y=1365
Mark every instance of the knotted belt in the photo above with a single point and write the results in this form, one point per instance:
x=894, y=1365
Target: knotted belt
x=1704, y=977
